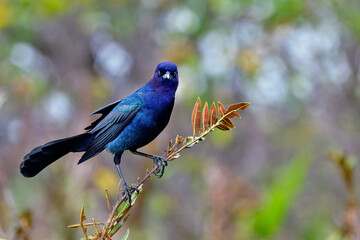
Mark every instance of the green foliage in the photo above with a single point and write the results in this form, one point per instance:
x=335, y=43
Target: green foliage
x=280, y=196
x=349, y=14
x=287, y=11
x=297, y=60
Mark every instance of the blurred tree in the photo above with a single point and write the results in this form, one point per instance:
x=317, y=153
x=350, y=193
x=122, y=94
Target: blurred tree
x=296, y=61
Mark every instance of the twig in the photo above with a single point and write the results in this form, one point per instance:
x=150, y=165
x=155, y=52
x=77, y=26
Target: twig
x=85, y=224
x=96, y=230
x=117, y=204
x=107, y=199
x=82, y=218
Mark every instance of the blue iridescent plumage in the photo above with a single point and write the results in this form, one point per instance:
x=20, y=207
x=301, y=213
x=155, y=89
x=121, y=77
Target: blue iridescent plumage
x=127, y=124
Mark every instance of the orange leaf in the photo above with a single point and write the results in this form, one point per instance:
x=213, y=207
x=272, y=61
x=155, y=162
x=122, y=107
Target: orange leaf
x=237, y=106
x=223, y=127
x=196, y=116
x=227, y=122
x=233, y=114
x=213, y=114
x=170, y=143
x=221, y=109
x=205, y=116
x=181, y=139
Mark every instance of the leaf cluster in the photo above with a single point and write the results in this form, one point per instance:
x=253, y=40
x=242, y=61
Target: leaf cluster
x=203, y=122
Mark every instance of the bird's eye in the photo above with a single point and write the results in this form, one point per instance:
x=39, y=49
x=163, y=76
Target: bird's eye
x=159, y=73
x=174, y=74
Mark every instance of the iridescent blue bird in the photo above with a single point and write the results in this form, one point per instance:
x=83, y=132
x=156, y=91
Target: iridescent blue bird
x=127, y=124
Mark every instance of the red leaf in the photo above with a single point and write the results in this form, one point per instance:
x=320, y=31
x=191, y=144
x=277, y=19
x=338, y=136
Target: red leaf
x=180, y=140
x=221, y=109
x=237, y=106
x=205, y=116
x=223, y=127
x=213, y=114
x=227, y=122
x=196, y=116
x=170, y=143
x=233, y=114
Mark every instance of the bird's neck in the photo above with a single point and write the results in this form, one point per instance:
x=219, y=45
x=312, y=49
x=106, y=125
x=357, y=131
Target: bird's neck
x=161, y=87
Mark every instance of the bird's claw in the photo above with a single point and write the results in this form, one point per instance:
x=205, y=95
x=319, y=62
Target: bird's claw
x=161, y=163
x=128, y=190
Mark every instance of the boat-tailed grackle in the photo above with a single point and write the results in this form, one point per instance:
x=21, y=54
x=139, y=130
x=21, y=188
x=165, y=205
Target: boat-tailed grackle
x=127, y=124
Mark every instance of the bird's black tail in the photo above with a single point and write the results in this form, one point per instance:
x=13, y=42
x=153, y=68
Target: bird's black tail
x=40, y=157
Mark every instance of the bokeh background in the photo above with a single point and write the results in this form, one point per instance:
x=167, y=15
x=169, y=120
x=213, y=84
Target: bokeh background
x=296, y=61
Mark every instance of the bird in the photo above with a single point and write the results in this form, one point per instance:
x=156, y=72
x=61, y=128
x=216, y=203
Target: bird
x=126, y=124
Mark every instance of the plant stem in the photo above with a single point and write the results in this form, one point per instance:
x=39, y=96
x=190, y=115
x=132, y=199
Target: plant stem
x=195, y=139
x=117, y=204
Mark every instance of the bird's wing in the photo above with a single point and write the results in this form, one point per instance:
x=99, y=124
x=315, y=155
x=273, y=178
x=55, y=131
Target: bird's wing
x=104, y=111
x=107, y=108
x=111, y=126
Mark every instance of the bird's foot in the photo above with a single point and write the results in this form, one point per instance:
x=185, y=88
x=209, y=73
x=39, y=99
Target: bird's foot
x=161, y=163
x=128, y=190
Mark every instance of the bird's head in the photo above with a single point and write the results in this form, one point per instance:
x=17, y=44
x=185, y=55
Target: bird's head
x=166, y=74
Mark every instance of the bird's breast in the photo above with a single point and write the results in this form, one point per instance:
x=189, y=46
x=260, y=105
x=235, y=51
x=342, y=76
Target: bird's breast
x=148, y=123
x=158, y=108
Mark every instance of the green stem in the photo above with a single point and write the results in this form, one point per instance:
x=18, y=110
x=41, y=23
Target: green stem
x=84, y=224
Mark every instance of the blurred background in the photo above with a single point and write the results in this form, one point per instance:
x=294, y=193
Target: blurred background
x=297, y=62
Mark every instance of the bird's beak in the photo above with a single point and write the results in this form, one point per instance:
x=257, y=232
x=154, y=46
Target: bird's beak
x=167, y=75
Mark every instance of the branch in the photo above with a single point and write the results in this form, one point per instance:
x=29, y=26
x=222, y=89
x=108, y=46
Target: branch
x=351, y=220
x=203, y=123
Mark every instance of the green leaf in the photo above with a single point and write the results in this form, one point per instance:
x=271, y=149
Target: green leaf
x=118, y=225
x=125, y=237
x=281, y=195
x=92, y=236
x=122, y=214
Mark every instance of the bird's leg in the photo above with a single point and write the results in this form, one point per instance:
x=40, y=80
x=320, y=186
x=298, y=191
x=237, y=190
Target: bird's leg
x=127, y=189
x=159, y=161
